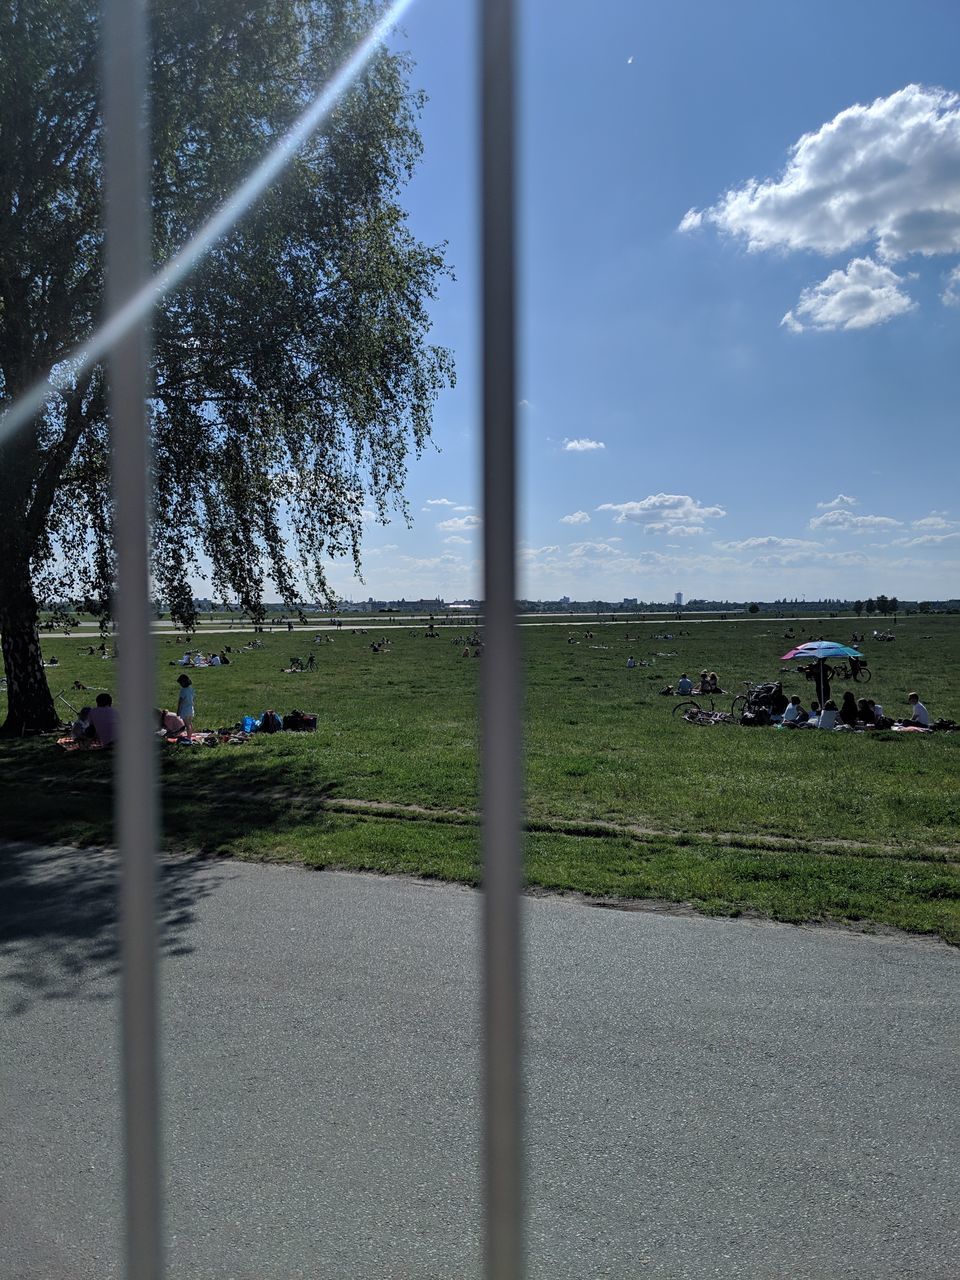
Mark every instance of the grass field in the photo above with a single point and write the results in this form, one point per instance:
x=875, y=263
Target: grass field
x=622, y=799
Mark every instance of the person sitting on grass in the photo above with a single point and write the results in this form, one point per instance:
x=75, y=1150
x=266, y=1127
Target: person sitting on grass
x=704, y=685
x=848, y=709
x=630, y=663
x=103, y=720
x=777, y=700
x=224, y=660
x=813, y=717
x=829, y=716
x=865, y=715
x=713, y=680
x=921, y=716
x=792, y=714
x=168, y=723
x=80, y=728
x=684, y=685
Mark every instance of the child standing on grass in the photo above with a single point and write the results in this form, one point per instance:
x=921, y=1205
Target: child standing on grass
x=185, y=705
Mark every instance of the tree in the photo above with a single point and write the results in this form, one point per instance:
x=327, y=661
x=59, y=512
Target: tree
x=858, y=607
x=754, y=608
x=292, y=373
x=871, y=606
x=883, y=605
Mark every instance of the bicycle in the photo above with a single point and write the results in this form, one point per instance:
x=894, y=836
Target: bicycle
x=692, y=704
x=756, y=696
x=857, y=671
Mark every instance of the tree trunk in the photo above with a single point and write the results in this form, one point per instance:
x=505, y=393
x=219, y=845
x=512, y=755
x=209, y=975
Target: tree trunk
x=30, y=708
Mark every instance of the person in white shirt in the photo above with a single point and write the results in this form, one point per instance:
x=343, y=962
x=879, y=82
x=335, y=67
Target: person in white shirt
x=829, y=716
x=630, y=664
x=792, y=713
x=921, y=715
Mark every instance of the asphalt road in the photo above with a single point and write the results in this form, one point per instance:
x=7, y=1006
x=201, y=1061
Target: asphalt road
x=707, y=1098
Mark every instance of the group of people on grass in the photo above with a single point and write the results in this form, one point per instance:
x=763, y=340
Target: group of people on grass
x=709, y=682
x=99, y=724
x=199, y=659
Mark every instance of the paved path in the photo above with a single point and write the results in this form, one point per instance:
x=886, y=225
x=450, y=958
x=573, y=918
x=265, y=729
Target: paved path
x=707, y=1098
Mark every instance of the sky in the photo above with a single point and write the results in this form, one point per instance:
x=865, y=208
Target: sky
x=739, y=303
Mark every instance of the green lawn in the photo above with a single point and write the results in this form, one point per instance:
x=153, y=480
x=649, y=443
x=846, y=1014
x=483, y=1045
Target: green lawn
x=622, y=799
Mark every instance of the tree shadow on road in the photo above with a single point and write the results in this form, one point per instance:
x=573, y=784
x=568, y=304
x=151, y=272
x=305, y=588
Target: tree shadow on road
x=59, y=934
x=58, y=903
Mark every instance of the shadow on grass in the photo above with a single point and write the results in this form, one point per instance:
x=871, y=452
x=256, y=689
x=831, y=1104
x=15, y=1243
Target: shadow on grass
x=58, y=909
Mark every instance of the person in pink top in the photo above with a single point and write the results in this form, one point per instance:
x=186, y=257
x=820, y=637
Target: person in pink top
x=103, y=720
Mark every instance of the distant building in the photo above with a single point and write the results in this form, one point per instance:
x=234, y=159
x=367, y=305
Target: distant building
x=629, y=602
x=678, y=599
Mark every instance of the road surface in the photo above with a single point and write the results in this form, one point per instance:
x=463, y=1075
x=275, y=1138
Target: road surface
x=707, y=1098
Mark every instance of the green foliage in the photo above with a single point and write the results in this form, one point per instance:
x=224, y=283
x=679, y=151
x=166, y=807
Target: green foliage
x=292, y=372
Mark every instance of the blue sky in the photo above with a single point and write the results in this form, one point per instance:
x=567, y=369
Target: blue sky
x=739, y=370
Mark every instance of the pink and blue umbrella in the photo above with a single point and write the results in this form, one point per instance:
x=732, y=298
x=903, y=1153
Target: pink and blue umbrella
x=821, y=651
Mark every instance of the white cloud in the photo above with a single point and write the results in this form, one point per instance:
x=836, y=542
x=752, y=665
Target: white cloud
x=664, y=512
x=576, y=517
x=458, y=523
x=927, y=540
x=951, y=291
x=439, y=502
x=768, y=543
x=857, y=297
x=523, y=404
x=466, y=508
x=887, y=173
x=582, y=445
x=841, y=500
x=456, y=540
x=675, y=530
x=848, y=522
x=580, y=549
x=935, y=520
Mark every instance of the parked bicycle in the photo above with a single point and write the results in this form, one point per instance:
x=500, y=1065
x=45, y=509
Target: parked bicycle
x=754, y=698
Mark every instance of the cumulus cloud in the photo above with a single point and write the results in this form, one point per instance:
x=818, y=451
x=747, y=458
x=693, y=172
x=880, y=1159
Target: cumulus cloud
x=846, y=521
x=464, y=508
x=887, y=173
x=439, y=502
x=841, y=500
x=767, y=544
x=456, y=540
x=935, y=520
x=459, y=523
x=576, y=517
x=675, y=530
x=674, y=513
x=951, y=292
x=583, y=445
x=856, y=297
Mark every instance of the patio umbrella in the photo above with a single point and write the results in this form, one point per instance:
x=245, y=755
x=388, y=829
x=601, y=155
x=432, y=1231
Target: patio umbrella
x=821, y=651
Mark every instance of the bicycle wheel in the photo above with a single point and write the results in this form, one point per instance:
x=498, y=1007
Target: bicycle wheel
x=863, y=675
x=682, y=708
x=738, y=705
